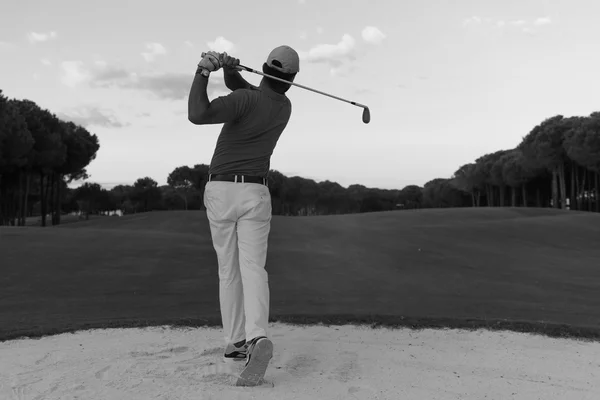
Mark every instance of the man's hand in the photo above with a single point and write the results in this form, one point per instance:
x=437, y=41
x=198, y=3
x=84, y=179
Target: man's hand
x=211, y=61
x=230, y=63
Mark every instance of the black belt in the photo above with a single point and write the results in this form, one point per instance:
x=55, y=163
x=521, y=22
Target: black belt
x=238, y=179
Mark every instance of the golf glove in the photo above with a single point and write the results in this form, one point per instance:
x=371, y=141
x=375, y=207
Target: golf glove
x=211, y=61
x=230, y=63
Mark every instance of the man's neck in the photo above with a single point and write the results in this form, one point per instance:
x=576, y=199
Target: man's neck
x=264, y=85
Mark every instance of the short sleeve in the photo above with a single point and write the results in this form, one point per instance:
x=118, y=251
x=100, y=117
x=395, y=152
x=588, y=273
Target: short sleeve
x=229, y=108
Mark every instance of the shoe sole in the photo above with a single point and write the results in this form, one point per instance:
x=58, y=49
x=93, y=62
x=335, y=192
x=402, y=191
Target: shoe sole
x=254, y=372
x=233, y=360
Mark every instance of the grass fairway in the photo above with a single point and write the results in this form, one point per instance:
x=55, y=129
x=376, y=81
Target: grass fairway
x=531, y=270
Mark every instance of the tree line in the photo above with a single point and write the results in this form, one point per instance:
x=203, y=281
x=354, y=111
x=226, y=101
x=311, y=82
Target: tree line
x=39, y=156
x=558, y=160
x=557, y=164
x=185, y=191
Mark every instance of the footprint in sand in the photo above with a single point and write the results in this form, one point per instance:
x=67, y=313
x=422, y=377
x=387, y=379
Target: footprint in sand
x=18, y=393
x=360, y=393
x=220, y=373
x=348, y=369
x=100, y=374
x=166, y=353
x=41, y=360
x=176, y=350
x=301, y=365
x=211, y=352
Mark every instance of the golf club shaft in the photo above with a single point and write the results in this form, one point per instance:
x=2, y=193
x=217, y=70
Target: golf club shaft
x=297, y=84
x=301, y=86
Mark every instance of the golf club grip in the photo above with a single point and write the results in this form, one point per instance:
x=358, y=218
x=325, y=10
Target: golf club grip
x=241, y=66
x=297, y=84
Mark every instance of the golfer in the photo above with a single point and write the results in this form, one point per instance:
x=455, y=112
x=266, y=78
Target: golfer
x=237, y=198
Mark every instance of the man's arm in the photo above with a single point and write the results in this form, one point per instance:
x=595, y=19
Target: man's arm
x=223, y=109
x=198, y=102
x=234, y=80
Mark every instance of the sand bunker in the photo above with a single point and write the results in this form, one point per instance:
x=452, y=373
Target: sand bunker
x=314, y=362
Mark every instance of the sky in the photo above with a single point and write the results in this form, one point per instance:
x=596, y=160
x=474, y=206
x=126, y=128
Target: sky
x=446, y=81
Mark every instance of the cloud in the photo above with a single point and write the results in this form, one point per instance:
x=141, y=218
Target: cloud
x=73, y=73
x=303, y=35
x=221, y=45
x=474, y=20
x=525, y=26
x=107, y=74
x=542, y=21
x=166, y=86
x=340, y=55
x=301, y=1
x=154, y=50
x=332, y=54
x=343, y=70
x=169, y=86
x=360, y=91
x=6, y=46
x=373, y=35
x=90, y=115
x=528, y=31
x=320, y=30
x=34, y=37
x=46, y=62
x=189, y=44
x=175, y=86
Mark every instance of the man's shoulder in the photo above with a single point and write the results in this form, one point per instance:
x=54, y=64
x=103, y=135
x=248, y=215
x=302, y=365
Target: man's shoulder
x=251, y=92
x=254, y=93
x=242, y=95
x=254, y=96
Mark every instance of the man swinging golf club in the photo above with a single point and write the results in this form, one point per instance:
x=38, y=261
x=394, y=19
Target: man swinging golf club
x=237, y=199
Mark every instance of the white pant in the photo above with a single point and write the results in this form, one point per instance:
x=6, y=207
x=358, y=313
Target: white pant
x=240, y=221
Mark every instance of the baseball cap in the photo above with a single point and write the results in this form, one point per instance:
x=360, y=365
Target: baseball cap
x=284, y=59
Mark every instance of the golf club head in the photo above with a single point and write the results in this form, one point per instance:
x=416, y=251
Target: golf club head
x=366, y=115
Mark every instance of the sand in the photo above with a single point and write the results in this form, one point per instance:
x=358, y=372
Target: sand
x=309, y=362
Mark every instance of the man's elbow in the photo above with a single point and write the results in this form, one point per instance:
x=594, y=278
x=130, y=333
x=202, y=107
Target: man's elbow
x=193, y=119
x=196, y=118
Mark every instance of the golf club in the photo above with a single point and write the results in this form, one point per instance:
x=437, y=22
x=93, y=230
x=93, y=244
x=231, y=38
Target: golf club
x=366, y=116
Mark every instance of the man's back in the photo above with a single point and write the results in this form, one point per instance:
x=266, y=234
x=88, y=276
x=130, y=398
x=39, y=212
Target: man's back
x=246, y=144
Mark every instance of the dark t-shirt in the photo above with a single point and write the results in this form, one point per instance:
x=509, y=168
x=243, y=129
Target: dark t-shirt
x=255, y=117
